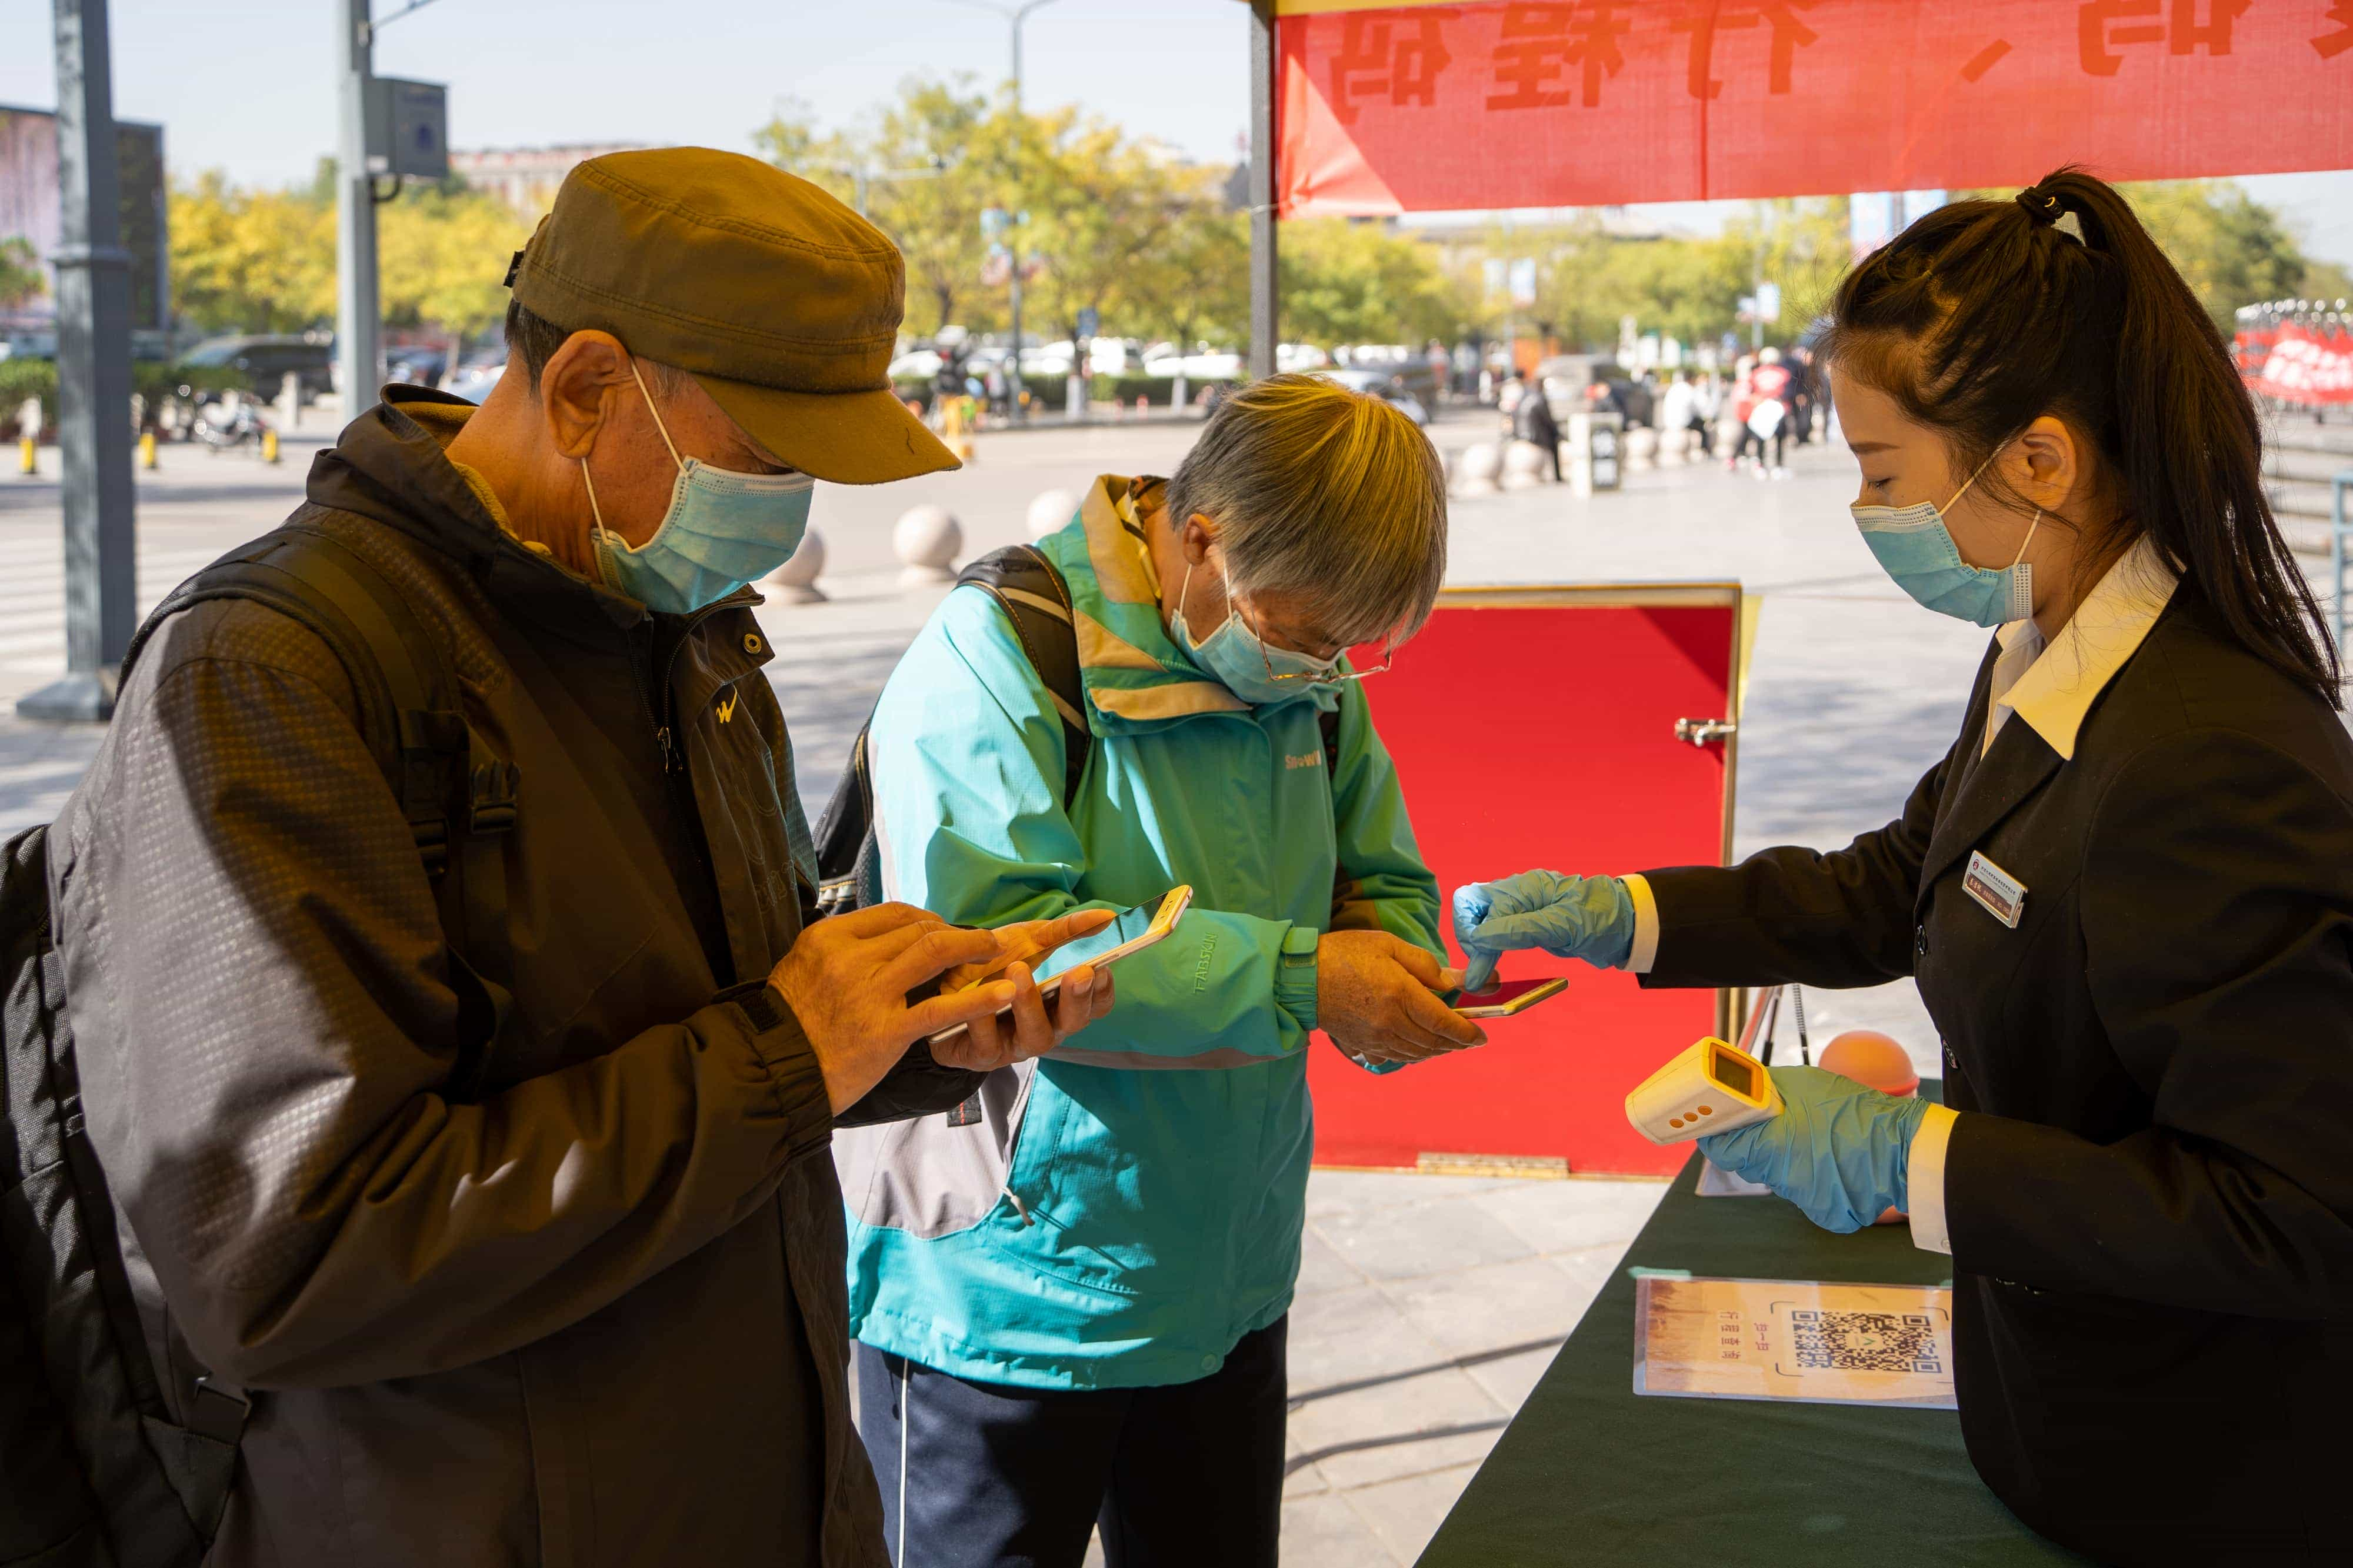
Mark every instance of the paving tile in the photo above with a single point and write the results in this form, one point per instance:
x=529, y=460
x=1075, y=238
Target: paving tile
x=1398, y=1428
x=1492, y=1306
x=1403, y=1243
x=1509, y=1380
x=1405, y=1513
x=1322, y=1268
x=1566, y=1216
x=1324, y=1532
x=1340, y=1336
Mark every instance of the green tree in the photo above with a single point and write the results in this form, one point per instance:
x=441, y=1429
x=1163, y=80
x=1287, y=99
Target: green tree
x=23, y=279
x=441, y=256
x=1351, y=281
x=926, y=166
x=1194, y=286
x=247, y=261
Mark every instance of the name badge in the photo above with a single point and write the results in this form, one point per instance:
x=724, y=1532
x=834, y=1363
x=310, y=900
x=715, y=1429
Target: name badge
x=2000, y=895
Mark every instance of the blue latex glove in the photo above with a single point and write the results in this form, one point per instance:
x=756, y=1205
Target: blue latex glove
x=1591, y=917
x=1839, y=1149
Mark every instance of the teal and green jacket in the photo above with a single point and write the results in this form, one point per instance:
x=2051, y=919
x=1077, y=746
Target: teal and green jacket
x=1125, y=1208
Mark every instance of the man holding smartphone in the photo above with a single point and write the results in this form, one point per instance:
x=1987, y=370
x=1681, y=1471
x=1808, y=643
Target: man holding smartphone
x=1071, y=1294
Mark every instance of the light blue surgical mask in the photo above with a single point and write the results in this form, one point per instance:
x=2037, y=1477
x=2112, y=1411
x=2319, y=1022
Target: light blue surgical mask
x=1913, y=545
x=1245, y=663
x=723, y=530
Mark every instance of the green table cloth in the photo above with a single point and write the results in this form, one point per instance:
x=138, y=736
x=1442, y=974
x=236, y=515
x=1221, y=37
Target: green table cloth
x=1590, y=1473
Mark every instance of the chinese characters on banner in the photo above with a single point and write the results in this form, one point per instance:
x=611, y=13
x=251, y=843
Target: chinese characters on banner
x=1412, y=107
x=2296, y=362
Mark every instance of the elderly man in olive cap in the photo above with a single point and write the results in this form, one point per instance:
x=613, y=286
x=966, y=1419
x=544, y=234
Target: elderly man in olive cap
x=433, y=928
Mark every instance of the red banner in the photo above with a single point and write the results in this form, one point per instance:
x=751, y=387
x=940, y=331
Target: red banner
x=1421, y=107
x=2304, y=364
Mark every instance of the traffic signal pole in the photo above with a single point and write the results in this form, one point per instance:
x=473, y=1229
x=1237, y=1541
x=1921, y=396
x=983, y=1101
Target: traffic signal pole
x=359, y=355
x=101, y=580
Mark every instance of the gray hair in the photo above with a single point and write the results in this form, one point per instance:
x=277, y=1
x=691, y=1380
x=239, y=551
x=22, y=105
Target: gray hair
x=1330, y=495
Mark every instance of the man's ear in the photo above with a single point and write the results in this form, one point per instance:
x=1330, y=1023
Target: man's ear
x=576, y=388
x=1198, y=533
x=2047, y=463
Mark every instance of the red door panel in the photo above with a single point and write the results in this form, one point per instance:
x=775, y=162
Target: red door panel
x=1535, y=728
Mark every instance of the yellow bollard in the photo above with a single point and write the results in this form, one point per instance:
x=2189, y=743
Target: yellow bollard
x=28, y=461
x=269, y=444
x=147, y=448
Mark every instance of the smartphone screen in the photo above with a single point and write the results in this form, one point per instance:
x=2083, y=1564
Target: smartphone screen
x=1504, y=998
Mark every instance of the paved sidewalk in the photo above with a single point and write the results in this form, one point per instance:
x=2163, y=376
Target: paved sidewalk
x=1428, y=1305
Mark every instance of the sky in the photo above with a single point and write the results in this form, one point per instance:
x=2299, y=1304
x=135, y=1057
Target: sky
x=248, y=86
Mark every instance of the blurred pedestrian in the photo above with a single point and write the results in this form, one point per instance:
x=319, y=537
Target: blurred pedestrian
x=1533, y=421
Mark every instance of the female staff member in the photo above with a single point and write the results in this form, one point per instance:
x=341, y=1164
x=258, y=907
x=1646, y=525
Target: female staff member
x=2126, y=895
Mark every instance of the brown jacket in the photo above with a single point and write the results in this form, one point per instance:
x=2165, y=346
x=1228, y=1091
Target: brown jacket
x=594, y=1314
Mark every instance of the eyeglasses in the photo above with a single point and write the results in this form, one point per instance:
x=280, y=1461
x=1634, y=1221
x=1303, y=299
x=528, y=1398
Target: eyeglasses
x=1388, y=657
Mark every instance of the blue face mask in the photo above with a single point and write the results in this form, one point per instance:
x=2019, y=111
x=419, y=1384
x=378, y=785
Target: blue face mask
x=723, y=530
x=1245, y=663
x=1913, y=545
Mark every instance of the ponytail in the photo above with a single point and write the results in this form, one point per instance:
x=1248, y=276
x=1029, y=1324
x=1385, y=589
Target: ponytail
x=1984, y=315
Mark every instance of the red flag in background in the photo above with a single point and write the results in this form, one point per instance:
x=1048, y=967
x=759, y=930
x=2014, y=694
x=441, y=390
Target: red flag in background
x=1418, y=107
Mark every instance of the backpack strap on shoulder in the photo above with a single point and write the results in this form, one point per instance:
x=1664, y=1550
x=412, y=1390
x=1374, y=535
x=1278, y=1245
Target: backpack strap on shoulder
x=457, y=795
x=1036, y=600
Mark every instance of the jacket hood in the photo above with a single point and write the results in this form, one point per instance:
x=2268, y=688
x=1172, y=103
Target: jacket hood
x=1136, y=679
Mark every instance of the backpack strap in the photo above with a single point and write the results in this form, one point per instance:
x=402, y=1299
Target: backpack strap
x=1036, y=600
x=457, y=795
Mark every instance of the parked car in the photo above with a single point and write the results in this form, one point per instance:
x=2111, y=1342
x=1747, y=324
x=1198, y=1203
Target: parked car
x=28, y=345
x=475, y=377
x=417, y=365
x=264, y=360
x=1385, y=384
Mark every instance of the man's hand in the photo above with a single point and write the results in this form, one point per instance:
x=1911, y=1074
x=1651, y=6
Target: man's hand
x=847, y=979
x=1033, y=1029
x=1376, y=996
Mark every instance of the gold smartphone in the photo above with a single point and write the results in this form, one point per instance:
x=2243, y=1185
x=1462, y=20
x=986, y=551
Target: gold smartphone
x=1136, y=929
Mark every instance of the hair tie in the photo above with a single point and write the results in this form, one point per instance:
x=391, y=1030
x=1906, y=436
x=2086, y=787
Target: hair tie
x=2046, y=212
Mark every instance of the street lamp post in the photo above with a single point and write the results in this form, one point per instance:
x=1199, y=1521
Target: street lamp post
x=93, y=376
x=1016, y=14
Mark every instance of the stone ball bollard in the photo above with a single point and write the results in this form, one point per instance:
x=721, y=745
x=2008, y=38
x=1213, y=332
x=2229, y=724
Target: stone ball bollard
x=1480, y=463
x=1524, y=465
x=1641, y=448
x=1050, y=512
x=794, y=582
x=926, y=540
x=1674, y=448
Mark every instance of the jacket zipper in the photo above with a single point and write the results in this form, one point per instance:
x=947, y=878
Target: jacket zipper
x=659, y=719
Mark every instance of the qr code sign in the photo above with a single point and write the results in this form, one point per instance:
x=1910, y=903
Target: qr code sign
x=1866, y=1342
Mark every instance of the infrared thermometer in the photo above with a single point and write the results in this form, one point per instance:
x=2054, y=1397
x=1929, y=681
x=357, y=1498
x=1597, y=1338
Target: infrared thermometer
x=1711, y=1087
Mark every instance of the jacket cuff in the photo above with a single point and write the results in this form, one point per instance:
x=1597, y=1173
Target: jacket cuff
x=1646, y=924
x=1924, y=1181
x=1295, y=975
x=785, y=1050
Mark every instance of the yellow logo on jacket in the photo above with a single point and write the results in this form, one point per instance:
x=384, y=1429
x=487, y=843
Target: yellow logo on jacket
x=727, y=708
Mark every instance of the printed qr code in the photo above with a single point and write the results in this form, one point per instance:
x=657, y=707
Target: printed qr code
x=1867, y=1341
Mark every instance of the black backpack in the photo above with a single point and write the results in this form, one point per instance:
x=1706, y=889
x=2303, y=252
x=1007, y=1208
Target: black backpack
x=94, y=1472
x=1034, y=597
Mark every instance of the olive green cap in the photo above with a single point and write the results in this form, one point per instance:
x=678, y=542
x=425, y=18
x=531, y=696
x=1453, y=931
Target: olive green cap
x=783, y=302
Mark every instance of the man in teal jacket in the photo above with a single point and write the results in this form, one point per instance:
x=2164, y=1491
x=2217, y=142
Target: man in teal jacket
x=1070, y=1305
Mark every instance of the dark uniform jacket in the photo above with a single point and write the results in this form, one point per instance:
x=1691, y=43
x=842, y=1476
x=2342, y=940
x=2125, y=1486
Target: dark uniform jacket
x=596, y=1313
x=2149, y=1190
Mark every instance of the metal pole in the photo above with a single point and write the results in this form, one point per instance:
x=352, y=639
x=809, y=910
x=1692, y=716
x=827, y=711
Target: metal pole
x=359, y=358
x=101, y=580
x=1020, y=408
x=1265, y=298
